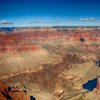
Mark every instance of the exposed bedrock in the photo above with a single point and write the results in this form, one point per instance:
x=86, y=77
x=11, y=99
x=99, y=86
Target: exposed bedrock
x=7, y=93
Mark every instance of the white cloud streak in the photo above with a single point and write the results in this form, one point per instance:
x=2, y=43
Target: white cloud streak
x=5, y=22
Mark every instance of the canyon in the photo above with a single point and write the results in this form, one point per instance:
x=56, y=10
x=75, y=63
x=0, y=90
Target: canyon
x=51, y=63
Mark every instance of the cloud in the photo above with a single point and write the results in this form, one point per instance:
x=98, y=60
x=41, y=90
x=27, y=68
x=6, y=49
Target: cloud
x=88, y=19
x=91, y=18
x=5, y=22
x=38, y=22
x=45, y=21
x=81, y=19
x=58, y=19
x=33, y=22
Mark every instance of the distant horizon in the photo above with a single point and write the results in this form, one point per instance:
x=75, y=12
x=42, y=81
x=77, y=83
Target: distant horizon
x=45, y=26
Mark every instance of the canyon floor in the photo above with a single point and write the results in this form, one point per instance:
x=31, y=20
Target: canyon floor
x=51, y=63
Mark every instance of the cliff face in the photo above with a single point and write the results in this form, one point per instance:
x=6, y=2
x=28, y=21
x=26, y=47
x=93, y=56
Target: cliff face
x=20, y=48
x=89, y=39
x=13, y=42
x=22, y=41
x=42, y=35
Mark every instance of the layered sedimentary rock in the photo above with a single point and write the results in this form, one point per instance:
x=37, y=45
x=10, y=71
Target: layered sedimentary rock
x=87, y=35
x=98, y=84
x=90, y=47
x=56, y=62
x=18, y=39
x=22, y=41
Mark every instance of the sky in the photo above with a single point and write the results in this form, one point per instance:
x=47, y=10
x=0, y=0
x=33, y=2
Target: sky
x=20, y=13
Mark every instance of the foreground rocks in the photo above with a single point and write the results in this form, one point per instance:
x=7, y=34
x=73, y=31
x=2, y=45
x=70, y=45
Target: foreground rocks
x=7, y=93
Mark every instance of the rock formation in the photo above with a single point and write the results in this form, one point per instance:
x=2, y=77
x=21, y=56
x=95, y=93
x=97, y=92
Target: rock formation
x=12, y=93
x=98, y=85
x=56, y=62
x=86, y=35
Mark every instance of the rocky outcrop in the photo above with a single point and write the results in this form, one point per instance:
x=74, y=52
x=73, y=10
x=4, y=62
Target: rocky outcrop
x=98, y=85
x=7, y=93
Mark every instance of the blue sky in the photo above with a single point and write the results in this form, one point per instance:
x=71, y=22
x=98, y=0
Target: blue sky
x=49, y=12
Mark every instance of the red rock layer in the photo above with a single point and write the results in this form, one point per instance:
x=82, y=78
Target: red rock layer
x=22, y=41
x=87, y=35
x=17, y=40
x=98, y=86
